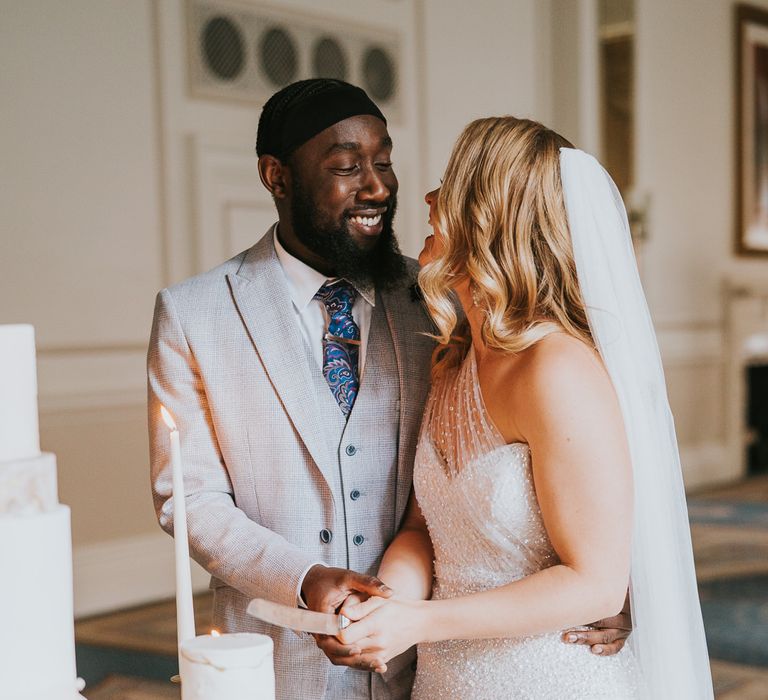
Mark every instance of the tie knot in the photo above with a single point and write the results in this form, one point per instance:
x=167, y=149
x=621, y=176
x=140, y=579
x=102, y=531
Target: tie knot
x=339, y=298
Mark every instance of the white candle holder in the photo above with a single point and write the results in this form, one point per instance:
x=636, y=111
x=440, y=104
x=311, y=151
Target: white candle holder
x=227, y=667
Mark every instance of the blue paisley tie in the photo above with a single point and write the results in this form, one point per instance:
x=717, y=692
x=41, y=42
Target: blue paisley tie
x=341, y=346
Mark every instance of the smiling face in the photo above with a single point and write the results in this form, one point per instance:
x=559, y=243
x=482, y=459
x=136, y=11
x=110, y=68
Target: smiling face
x=341, y=196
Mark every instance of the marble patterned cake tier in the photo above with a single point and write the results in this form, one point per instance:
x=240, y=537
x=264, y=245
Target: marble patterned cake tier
x=28, y=486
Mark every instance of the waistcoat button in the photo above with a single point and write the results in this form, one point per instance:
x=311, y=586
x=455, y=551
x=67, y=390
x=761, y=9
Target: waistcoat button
x=351, y=450
x=325, y=536
x=354, y=495
x=358, y=539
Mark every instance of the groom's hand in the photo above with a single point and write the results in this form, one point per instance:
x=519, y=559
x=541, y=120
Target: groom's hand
x=608, y=637
x=348, y=654
x=325, y=588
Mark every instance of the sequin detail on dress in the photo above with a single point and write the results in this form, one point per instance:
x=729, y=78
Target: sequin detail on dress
x=478, y=498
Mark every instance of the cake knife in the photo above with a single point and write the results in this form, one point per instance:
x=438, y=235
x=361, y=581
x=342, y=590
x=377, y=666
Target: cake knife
x=296, y=619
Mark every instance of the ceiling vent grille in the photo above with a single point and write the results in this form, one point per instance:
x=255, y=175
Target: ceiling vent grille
x=246, y=52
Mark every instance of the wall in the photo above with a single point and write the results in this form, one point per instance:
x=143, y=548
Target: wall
x=480, y=59
x=685, y=165
x=121, y=184
x=685, y=153
x=81, y=248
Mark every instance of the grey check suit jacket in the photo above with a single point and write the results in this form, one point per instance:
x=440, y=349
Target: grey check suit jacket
x=227, y=359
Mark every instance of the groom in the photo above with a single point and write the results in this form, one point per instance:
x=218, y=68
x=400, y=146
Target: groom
x=297, y=373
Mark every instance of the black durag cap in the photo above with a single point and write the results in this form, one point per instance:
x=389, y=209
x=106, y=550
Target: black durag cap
x=301, y=110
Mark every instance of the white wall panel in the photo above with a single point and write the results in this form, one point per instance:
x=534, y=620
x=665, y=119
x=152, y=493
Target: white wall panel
x=79, y=182
x=481, y=59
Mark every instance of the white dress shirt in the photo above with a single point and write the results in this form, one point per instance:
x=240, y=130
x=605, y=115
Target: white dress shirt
x=303, y=283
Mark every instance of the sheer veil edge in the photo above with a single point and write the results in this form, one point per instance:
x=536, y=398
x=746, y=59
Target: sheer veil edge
x=668, y=636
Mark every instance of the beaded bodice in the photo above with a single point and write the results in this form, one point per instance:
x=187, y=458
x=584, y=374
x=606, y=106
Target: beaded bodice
x=478, y=498
x=476, y=491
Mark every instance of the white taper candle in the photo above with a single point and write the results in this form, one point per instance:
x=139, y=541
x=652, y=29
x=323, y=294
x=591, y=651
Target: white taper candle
x=185, y=615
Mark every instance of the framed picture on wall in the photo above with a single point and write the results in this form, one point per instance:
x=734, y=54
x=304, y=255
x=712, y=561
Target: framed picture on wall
x=751, y=131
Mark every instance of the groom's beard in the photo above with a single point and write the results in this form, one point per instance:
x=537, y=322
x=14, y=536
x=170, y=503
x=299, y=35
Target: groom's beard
x=381, y=266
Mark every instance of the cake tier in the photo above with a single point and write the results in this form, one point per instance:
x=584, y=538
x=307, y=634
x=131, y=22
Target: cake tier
x=28, y=486
x=19, y=436
x=37, y=650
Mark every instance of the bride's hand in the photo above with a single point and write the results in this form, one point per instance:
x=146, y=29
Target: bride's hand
x=384, y=627
x=356, y=607
x=347, y=655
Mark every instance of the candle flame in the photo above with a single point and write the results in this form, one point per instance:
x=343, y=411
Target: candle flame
x=168, y=418
x=215, y=633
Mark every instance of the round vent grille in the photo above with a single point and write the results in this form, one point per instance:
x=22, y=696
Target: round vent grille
x=379, y=73
x=223, y=48
x=329, y=59
x=279, y=58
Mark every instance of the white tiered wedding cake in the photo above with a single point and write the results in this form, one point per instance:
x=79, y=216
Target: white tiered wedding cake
x=37, y=647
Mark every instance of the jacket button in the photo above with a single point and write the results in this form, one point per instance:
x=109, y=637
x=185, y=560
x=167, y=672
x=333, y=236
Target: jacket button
x=354, y=495
x=325, y=536
x=351, y=450
x=358, y=539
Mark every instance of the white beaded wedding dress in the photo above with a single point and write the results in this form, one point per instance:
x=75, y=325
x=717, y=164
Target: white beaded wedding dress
x=478, y=498
x=479, y=501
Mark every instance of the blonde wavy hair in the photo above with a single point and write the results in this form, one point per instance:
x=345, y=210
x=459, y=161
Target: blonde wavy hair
x=501, y=217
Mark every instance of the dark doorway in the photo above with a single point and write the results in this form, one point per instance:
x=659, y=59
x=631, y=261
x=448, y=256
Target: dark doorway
x=757, y=419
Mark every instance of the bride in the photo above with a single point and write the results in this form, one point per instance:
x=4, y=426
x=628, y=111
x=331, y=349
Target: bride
x=547, y=475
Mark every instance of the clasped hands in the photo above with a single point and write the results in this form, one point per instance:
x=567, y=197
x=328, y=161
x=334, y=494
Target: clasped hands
x=385, y=625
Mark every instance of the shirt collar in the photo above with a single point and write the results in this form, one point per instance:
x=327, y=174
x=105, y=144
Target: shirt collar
x=304, y=281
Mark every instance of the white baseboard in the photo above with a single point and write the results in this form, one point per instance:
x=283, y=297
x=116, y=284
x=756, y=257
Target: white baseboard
x=126, y=572
x=706, y=464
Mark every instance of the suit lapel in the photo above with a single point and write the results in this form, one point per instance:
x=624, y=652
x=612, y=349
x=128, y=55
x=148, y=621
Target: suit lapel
x=406, y=326
x=261, y=294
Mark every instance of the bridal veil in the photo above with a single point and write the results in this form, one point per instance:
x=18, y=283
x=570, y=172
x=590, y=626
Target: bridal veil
x=668, y=636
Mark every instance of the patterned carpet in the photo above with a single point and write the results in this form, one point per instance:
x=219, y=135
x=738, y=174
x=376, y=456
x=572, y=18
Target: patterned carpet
x=736, y=617
x=130, y=655
x=729, y=527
